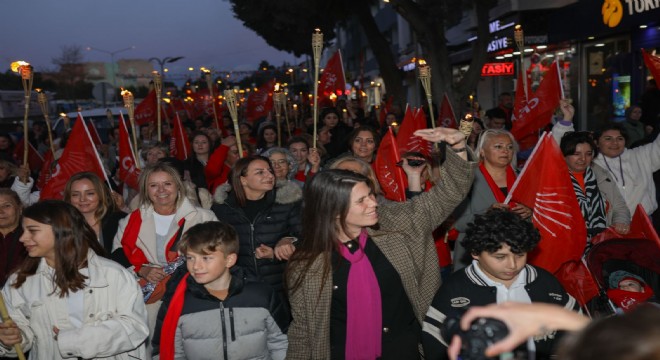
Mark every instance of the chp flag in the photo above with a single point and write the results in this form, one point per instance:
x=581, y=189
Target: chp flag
x=333, y=80
x=128, y=172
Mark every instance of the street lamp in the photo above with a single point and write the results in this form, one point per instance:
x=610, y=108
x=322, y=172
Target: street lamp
x=166, y=60
x=112, y=61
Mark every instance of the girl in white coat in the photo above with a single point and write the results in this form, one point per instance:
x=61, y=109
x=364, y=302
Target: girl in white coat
x=66, y=300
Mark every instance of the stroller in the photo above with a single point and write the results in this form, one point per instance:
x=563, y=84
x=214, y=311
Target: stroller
x=609, y=253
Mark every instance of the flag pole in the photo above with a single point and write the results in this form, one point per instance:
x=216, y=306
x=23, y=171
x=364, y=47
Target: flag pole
x=285, y=105
x=277, y=101
x=425, y=78
x=317, y=48
x=43, y=103
x=230, y=98
x=4, y=314
x=519, y=37
x=158, y=88
x=208, y=76
x=561, y=83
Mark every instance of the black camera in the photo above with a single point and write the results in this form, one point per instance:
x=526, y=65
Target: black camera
x=415, y=162
x=482, y=333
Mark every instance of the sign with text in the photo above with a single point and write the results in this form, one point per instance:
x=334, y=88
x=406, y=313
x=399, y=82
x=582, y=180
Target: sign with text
x=497, y=69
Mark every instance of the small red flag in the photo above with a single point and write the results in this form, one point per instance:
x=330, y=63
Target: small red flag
x=390, y=176
x=538, y=110
x=260, y=102
x=653, y=64
x=78, y=155
x=127, y=173
x=179, y=143
x=35, y=160
x=446, y=118
x=405, y=138
x=332, y=79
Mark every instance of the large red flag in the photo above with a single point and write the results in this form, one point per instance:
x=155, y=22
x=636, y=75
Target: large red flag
x=78, y=155
x=179, y=143
x=127, y=173
x=520, y=102
x=332, y=79
x=260, y=102
x=540, y=105
x=35, y=160
x=146, y=110
x=446, y=118
x=390, y=176
x=653, y=64
x=545, y=186
x=405, y=138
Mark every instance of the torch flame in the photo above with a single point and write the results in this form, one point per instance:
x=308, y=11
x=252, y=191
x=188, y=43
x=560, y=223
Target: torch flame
x=422, y=62
x=277, y=87
x=16, y=65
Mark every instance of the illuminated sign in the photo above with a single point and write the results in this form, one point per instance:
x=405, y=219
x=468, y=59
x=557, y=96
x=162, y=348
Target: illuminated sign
x=498, y=44
x=497, y=69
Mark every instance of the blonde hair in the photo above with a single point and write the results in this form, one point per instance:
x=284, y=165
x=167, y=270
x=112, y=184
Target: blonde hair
x=154, y=168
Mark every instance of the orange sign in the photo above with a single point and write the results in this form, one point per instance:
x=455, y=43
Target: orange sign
x=497, y=69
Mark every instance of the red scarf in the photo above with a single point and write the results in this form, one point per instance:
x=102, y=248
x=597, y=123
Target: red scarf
x=168, y=330
x=628, y=300
x=134, y=254
x=510, y=179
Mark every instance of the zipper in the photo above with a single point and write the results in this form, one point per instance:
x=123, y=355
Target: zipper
x=224, y=330
x=231, y=324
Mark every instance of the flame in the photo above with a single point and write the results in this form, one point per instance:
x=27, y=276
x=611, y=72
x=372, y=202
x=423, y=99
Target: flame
x=277, y=87
x=422, y=62
x=518, y=27
x=16, y=65
x=317, y=30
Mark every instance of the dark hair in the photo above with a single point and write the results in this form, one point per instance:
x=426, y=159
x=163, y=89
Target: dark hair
x=611, y=126
x=630, y=109
x=261, y=141
x=354, y=134
x=570, y=141
x=106, y=203
x=631, y=336
x=207, y=237
x=297, y=139
x=240, y=169
x=325, y=198
x=73, y=238
x=500, y=226
x=328, y=110
x=496, y=113
x=201, y=133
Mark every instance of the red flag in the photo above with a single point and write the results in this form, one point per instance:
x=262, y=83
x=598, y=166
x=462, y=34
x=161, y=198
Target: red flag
x=78, y=155
x=653, y=64
x=405, y=138
x=94, y=133
x=146, y=110
x=35, y=160
x=540, y=105
x=390, y=176
x=46, y=170
x=179, y=143
x=577, y=280
x=519, y=103
x=446, y=118
x=332, y=79
x=640, y=228
x=127, y=173
x=260, y=102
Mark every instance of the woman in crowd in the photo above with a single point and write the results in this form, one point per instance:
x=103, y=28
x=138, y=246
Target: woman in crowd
x=146, y=239
x=635, y=129
x=492, y=182
x=308, y=160
x=151, y=153
x=353, y=291
x=7, y=147
x=65, y=300
x=266, y=219
x=363, y=143
x=336, y=145
x=8, y=171
x=94, y=200
x=477, y=128
x=12, y=252
x=245, y=129
x=267, y=137
x=284, y=165
x=600, y=201
x=195, y=165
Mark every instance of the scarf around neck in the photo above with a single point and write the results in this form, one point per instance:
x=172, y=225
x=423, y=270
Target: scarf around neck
x=592, y=204
x=510, y=180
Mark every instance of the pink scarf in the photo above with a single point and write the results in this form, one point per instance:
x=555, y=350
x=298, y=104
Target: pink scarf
x=364, y=309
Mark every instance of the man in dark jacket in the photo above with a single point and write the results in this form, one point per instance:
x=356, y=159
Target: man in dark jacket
x=498, y=242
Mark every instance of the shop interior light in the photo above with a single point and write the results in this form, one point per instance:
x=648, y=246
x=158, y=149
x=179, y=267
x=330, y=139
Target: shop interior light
x=549, y=55
x=528, y=50
x=541, y=47
x=590, y=38
x=516, y=53
x=499, y=57
x=561, y=53
x=508, y=55
x=599, y=45
x=643, y=26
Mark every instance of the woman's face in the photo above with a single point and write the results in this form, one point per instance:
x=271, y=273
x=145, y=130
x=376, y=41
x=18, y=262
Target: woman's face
x=201, y=145
x=162, y=190
x=497, y=151
x=299, y=151
x=232, y=155
x=5, y=172
x=10, y=213
x=270, y=136
x=155, y=154
x=364, y=145
x=580, y=159
x=244, y=129
x=39, y=240
x=258, y=178
x=4, y=143
x=636, y=113
x=84, y=196
x=280, y=165
x=362, y=209
x=324, y=136
x=611, y=143
x=331, y=120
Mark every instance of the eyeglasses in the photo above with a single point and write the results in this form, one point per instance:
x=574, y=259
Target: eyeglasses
x=280, y=162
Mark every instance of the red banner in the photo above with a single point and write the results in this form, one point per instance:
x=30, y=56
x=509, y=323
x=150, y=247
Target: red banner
x=653, y=64
x=446, y=118
x=260, y=102
x=127, y=173
x=78, y=155
x=540, y=105
x=179, y=143
x=390, y=176
x=405, y=138
x=332, y=78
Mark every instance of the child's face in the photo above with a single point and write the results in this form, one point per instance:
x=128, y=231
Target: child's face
x=502, y=266
x=630, y=285
x=212, y=269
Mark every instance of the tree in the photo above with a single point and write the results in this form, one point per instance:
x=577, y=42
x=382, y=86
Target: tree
x=71, y=72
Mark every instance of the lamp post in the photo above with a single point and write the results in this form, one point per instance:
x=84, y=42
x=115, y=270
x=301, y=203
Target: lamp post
x=112, y=62
x=165, y=60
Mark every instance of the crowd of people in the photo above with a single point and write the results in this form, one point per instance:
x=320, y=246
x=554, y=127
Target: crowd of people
x=291, y=250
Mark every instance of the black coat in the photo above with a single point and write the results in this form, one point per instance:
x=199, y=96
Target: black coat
x=109, y=227
x=279, y=218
